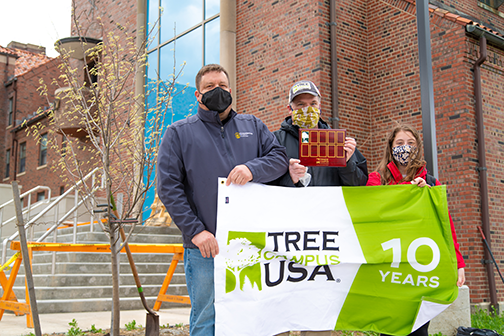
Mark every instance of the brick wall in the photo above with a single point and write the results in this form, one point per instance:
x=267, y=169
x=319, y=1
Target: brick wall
x=98, y=17
x=457, y=152
x=28, y=101
x=279, y=43
x=4, y=105
x=492, y=77
x=7, y=70
x=394, y=74
x=354, y=79
x=395, y=95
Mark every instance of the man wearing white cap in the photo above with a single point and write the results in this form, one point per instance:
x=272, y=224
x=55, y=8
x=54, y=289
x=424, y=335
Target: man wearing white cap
x=304, y=112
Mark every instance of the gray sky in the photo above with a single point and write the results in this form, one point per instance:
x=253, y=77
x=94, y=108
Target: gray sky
x=35, y=21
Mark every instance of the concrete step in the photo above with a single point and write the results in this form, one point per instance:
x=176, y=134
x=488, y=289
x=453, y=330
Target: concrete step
x=62, y=280
x=100, y=237
x=90, y=292
x=98, y=304
x=82, y=281
x=100, y=268
x=138, y=230
x=141, y=235
x=40, y=257
x=147, y=234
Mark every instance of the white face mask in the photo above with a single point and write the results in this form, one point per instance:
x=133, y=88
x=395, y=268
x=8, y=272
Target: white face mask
x=307, y=117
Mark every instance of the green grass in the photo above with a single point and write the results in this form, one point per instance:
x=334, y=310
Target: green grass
x=132, y=326
x=359, y=333
x=74, y=329
x=483, y=319
x=94, y=330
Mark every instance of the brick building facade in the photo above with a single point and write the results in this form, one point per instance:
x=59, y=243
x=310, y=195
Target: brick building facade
x=278, y=42
x=23, y=158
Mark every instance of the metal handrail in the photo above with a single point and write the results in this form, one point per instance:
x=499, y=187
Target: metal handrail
x=25, y=211
x=65, y=216
x=26, y=193
x=28, y=209
x=29, y=192
x=49, y=207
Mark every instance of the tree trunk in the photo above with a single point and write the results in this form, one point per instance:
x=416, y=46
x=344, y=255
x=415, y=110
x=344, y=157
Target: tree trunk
x=116, y=310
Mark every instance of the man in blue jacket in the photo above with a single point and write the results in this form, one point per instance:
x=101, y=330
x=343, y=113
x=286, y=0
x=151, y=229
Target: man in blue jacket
x=194, y=152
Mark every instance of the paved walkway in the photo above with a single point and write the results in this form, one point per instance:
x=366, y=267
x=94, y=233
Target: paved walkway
x=12, y=325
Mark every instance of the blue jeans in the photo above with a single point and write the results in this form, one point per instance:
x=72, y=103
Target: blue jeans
x=199, y=274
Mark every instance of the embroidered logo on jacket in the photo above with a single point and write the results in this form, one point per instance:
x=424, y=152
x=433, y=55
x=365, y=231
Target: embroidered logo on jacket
x=239, y=135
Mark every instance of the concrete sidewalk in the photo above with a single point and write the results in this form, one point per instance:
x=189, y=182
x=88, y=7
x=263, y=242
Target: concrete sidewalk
x=12, y=325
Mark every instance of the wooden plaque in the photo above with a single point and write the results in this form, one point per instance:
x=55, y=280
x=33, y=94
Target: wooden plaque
x=322, y=147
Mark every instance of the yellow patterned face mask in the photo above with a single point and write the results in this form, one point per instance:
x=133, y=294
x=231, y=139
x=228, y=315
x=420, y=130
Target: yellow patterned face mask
x=307, y=117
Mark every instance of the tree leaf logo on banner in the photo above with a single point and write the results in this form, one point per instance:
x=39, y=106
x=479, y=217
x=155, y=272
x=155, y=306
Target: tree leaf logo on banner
x=245, y=250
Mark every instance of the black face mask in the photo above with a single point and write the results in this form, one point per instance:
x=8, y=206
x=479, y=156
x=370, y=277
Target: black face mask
x=217, y=99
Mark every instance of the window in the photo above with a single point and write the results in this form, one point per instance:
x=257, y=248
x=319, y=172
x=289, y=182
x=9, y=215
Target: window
x=7, y=163
x=22, y=157
x=186, y=32
x=63, y=150
x=90, y=75
x=62, y=190
x=43, y=150
x=40, y=196
x=189, y=32
x=494, y=4
x=10, y=112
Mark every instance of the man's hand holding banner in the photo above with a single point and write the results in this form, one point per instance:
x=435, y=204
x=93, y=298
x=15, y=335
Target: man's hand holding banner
x=325, y=258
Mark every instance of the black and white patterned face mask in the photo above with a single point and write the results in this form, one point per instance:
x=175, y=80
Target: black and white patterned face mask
x=402, y=154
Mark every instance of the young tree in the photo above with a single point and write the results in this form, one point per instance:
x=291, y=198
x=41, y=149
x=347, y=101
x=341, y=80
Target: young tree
x=100, y=120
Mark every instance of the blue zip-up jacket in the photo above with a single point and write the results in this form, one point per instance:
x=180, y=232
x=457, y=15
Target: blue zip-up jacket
x=198, y=150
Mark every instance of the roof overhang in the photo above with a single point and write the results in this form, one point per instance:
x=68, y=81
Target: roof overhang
x=76, y=46
x=491, y=37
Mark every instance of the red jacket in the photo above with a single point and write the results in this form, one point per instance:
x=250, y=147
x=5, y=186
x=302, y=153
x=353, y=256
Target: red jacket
x=375, y=180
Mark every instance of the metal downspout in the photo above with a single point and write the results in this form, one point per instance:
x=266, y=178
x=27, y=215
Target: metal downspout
x=6, y=70
x=482, y=170
x=14, y=156
x=14, y=134
x=334, y=68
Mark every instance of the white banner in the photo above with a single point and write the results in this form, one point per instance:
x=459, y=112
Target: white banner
x=290, y=256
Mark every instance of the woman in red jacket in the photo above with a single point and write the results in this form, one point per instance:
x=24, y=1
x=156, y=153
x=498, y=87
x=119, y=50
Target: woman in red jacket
x=402, y=163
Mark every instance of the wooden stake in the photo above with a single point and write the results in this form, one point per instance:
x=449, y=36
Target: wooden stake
x=26, y=258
